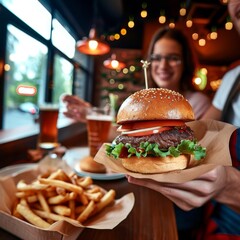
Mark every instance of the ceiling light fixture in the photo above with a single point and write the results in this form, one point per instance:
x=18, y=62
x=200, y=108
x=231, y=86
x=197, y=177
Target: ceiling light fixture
x=171, y=24
x=113, y=63
x=131, y=22
x=183, y=10
x=93, y=45
x=162, y=17
x=228, y=24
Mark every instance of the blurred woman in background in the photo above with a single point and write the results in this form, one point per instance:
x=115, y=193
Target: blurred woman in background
x=172, y=66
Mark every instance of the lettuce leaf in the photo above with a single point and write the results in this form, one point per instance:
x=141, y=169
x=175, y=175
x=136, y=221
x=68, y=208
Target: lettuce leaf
x=152, y=149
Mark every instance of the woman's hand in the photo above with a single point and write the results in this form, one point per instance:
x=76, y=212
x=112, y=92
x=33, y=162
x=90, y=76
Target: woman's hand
x=76, y=107
x=220, y=183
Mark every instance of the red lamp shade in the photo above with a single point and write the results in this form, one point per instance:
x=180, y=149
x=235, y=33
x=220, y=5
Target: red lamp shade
x=92, y=45
x=113, y=63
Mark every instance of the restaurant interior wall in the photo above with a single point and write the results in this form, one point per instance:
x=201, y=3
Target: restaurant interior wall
x=121, y=82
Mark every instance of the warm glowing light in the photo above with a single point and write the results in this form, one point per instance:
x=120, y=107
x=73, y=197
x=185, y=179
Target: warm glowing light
x=182, y=12
x=162, y=19
x=197, y=80
x=123, y=31
x=202, y=42
x=204, y=71
x=111, y=38
x=144, y=13
x=228, y=25
x=171, y=25
x=26, y=90
x=111, y=81
x=195, y=36
x=131, y=24
x=113, y=63
x=132, y=68
x=93, y=44
x=125, y=71
x=224, y=1
x=116, y=36
x=7, y=67
x=213, y=35
x=189, y=23
x=200, y=79
x=120, y=86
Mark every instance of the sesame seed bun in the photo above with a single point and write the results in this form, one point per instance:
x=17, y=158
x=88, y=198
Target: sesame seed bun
x=155, y=104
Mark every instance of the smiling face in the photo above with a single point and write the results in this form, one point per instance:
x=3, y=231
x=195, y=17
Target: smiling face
x=166, y=63
x=234, y=11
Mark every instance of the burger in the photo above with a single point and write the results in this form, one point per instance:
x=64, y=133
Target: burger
x=154, y=137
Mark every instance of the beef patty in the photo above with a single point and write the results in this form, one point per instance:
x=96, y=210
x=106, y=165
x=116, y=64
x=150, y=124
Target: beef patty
x=164, y=139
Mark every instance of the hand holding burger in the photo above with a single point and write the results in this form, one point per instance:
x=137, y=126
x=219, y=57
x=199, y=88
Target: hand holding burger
x=154, y=137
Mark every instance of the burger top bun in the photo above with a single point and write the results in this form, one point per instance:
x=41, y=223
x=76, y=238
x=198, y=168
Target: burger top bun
x=155, y=104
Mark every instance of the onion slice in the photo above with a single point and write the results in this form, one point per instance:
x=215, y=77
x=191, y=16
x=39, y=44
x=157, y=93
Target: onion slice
x=145, y=131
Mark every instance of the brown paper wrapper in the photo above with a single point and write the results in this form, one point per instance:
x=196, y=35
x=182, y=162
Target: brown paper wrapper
x=214, y=135
x=109, y=218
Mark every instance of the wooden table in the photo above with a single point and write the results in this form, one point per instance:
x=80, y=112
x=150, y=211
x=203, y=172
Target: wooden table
x=152, y=217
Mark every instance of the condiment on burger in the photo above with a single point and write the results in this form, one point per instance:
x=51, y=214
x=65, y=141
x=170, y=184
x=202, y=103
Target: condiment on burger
x=154, y=137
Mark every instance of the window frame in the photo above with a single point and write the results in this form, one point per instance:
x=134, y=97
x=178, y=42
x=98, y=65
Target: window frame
x=7, y=17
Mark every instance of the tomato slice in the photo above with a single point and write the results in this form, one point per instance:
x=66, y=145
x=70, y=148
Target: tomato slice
x=146, y=131
x=125, y=127
x=149, y=124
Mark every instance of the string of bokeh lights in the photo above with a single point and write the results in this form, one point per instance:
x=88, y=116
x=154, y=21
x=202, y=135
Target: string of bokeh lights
x=162, y=19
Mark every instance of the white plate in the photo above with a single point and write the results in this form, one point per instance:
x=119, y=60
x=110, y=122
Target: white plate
x=16, y=169
x=73, y=157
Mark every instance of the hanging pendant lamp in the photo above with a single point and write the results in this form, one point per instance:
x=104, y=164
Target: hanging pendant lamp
x=113, y=63
x=93, y=45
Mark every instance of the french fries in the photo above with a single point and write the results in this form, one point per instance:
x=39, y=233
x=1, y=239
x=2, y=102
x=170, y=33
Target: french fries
x=59, y=196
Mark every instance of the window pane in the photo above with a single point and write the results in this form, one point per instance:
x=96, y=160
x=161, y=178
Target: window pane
x=58, y=34
x=25, y=68
x=83, y=59
x=80, y=83
x=62, y=78
x=32, y=13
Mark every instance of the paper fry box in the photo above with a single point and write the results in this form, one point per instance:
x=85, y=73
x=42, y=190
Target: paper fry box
x=108, y=218
x=214, y=135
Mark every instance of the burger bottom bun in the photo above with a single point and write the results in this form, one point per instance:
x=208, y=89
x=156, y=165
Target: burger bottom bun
x=155, y=164
x=88, y=164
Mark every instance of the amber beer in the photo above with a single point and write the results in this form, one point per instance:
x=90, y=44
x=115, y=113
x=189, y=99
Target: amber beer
x=98, y=124
x=48, y=135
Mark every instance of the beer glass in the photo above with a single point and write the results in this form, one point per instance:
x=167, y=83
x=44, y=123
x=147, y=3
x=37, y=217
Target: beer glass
x=99, y=122
x=48, y=133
